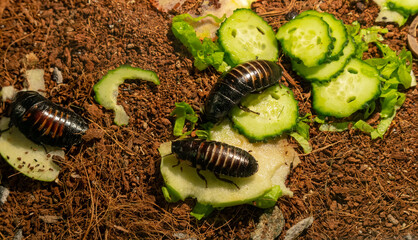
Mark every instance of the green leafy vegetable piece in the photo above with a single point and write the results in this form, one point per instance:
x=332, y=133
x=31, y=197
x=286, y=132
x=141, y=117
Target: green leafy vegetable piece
x=205, y=132
x=270, y=198
x=183, y=112
x=362, y=37
x=301, y=134
x=303, y=142
x=201, y=210
x=205, y=52
x=380, y=129
x=188, y=18
x=383, y=126
x=170, y=194
x=363, y=126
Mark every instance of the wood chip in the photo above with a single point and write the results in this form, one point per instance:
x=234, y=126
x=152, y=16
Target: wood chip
x=297, y=229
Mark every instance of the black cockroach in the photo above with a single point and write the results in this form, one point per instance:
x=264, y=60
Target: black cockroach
x=240, y=81
x=220, y=158
x=45, y=122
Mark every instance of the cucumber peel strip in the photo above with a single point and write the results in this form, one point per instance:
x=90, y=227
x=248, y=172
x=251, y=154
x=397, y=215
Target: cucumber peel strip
x=183, y=182
x=28, y=157
x=106, y=90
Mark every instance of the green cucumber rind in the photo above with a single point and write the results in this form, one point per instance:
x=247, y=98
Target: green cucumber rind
x=106, y=89
x=234, y=57
x=279, y=128
x=336, y=26
x=403, y=7
x=286, y=39
x=111, y=73
x=310, y=73
x=322, y=104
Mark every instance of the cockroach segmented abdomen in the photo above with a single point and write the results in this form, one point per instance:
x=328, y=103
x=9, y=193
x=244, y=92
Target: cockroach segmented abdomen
x=240, y=81
x=45, y=122
x=220, y=158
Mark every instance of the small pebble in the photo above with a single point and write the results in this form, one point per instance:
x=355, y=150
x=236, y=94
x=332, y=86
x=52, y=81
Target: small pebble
x=4, y=193
x=182, y=236
x=18, y=235
x=360, y=6
x=270, y=225
x=57, y=76
x=298, y=228
x=393, y=220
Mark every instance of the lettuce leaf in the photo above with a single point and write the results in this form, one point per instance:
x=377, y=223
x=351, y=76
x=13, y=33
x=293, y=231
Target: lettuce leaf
x=201, y=210
x=270, y=198
x=183, y=112
x=362, y=37
x=206, y=53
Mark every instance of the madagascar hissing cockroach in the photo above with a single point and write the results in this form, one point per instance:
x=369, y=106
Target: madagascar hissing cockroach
x=240, y=81
x=220, y=158
x=45, y=122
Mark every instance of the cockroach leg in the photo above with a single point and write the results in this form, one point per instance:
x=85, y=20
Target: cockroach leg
x=226, y=180
x=202, y=177
x=246, y=109
x=178, y=163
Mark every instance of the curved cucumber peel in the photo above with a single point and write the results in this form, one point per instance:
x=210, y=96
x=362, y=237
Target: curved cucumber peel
x=27, y=157
x=106, y=90
x=262, y=189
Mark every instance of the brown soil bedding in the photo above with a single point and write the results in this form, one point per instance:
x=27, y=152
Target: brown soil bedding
x=110, y=186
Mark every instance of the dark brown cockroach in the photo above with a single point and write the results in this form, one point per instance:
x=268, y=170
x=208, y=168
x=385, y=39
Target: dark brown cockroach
x=220, y=158
x=45, y=122
x=240, y=81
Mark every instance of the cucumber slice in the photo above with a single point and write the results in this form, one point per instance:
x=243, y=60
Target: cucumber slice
x=275, y=111
x=326, y=71
x=26, y=156
x=106, y=90
x=405, y=7
x=337, y=28
x=245, y=36
x=306, y=40
x=349, y=92
x=274, y=158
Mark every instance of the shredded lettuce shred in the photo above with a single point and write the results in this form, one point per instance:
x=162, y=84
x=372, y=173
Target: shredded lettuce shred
x=183, y=112
x=301, y=133
x=205, y=52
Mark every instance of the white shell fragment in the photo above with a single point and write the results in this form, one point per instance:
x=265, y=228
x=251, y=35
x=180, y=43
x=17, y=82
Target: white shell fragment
x=8, y=93
x=35, y=80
